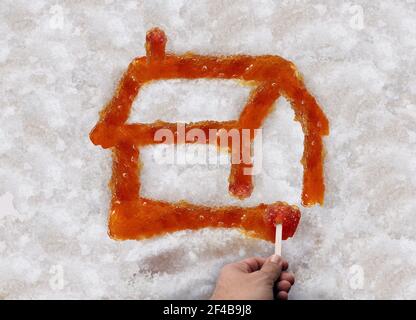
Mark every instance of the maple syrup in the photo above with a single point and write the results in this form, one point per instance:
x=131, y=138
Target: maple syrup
x=135, y=217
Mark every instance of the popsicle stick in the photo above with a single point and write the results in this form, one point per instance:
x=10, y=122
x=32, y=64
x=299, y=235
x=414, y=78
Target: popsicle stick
x=278, y=240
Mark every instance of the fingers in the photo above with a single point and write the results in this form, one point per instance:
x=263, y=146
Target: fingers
x=282, y=295
x=255, y=263
x=282, y=289
x=284, y=284
x=252, y=264
x=272, y=267
x=288, y=276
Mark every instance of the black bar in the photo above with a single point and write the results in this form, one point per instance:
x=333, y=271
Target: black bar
x=184, y=309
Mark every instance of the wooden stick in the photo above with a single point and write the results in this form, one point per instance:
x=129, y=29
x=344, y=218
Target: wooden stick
x=278, y=240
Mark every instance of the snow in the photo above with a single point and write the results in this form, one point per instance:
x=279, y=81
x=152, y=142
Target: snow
x=279, y=177
x=195, y=100
x=60, y=62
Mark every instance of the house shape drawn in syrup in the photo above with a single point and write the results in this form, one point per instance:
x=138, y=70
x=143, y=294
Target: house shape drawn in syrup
x=134, y=217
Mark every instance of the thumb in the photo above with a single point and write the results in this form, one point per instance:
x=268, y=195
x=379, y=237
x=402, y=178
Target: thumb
x=273, y=267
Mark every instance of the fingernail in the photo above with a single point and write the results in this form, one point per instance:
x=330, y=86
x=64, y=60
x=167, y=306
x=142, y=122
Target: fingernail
x=274, y=258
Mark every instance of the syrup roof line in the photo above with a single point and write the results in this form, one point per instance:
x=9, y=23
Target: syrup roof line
x=238, y=67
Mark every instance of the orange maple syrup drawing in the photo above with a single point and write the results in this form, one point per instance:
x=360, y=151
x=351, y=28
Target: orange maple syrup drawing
x=135, y=217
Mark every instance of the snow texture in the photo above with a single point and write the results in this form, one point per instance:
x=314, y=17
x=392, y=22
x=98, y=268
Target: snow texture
x=59, y=64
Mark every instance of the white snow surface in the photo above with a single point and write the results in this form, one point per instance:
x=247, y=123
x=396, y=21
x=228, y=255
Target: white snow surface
x=60, y=62
x=191, y=100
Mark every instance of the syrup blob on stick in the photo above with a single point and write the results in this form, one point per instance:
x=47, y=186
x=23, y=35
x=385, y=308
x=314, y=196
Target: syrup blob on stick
x=287, y=218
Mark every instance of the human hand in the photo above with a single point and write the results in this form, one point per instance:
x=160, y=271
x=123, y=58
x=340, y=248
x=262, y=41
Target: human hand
x=254, y=279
